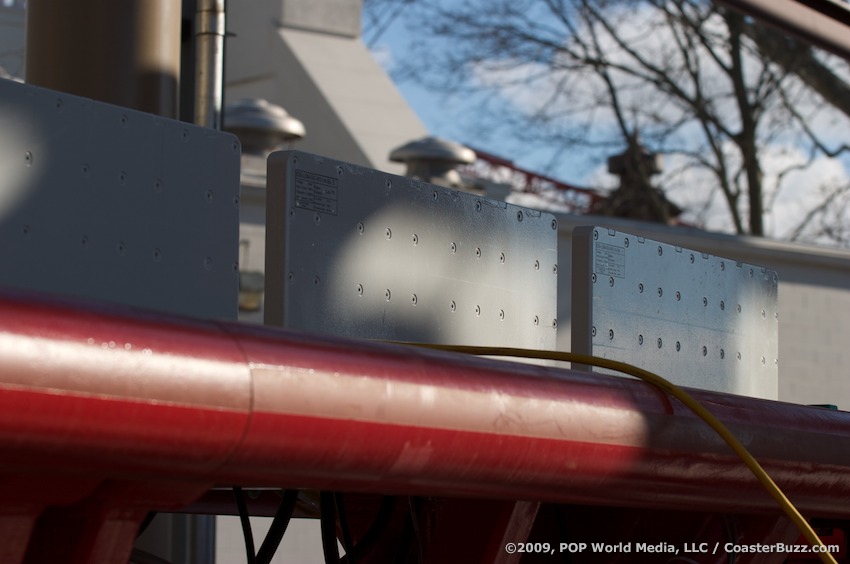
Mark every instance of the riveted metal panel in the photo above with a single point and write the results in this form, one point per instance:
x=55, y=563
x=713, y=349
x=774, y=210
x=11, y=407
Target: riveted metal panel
x=358, y=252
x=696, y=319
x=103, y=202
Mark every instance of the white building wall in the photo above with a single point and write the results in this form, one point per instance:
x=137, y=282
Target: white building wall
x=326, y=78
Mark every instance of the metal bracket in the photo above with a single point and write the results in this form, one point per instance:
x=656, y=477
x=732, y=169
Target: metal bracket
x=357, y=252
x=696, y=319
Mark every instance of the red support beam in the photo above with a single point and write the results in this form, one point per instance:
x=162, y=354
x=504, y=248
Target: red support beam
x=93, y=396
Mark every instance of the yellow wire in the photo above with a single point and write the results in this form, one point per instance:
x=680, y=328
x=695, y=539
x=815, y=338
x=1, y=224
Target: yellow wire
x=681, y=395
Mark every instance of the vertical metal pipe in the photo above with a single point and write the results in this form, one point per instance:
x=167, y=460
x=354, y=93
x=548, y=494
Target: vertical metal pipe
x=209, y=62
x=125, y=53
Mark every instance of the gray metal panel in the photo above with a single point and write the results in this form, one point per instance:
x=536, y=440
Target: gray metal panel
x=108, y=203
x=357, y=252
x=696, y=319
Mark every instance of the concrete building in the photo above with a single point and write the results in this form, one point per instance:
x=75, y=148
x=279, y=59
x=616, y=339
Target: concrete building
x=308, y=57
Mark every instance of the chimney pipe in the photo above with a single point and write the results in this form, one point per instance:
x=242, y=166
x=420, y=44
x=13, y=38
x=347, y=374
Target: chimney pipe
x=125, y=52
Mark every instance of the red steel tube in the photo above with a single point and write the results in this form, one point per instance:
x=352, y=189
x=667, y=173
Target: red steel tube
x=129, y=395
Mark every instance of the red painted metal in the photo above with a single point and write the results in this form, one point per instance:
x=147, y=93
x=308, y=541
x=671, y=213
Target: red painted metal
x=155, y=410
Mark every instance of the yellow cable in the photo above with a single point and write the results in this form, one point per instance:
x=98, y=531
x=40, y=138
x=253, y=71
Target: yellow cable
x=681, y=395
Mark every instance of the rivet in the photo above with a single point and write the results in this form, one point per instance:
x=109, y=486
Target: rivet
x=537, y=265
x=361, y=228
x=593, y=278
x=692, y=258
x=722, y=354
x=722, y=305
x=502, y=258
x=554, y=224
x=478, y=310
x=611, y=281
x=640, y=288
x=678, y=346
x=660, y=251
x=415, y=239
x=28, y=158
x=388, y=233
x=360, y=289
x=660, y=292
x=595, y=235
x=478, y=206
x=659, y=342
x=678, y=296
x=453, y=306
x=477, y=252
x=611, y=334
x=640, y=339
x=502, y=314
x=413, y=299
x=592, y=329
x=388, y=295
x=519, y=216
x=705, y=351
x=626, y=242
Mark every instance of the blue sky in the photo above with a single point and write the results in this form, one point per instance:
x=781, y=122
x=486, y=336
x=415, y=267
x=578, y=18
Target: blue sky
x=454, y=118
x=451, y=117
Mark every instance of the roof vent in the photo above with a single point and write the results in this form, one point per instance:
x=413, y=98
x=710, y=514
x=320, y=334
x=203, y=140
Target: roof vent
x=261, y=126
x=434, y=160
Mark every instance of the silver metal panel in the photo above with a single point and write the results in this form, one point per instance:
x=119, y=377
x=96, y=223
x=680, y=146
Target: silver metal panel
x=103, y=202
x=357, y=252
x=696, y=319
